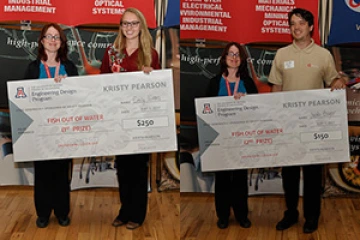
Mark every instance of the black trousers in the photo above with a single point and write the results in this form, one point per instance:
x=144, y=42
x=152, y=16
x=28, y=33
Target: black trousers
x=132, y=174
x=52, y=187
x=231, y=190
x=312, y=175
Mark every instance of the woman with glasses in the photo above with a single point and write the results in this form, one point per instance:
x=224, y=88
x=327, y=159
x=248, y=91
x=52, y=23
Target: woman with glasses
x=132, y=51
x=231, y=189
x=52, y=177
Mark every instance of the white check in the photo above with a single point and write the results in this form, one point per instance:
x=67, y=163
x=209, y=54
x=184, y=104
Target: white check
x=97, y=115
x=274, y=129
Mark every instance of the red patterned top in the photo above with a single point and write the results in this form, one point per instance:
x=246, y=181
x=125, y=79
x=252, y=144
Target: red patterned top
x=115, y=62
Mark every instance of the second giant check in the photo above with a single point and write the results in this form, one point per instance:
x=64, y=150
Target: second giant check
x=275, y=129
x=97, y=115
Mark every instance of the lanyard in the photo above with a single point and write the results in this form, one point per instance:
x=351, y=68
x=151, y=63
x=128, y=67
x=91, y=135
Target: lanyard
x=228, y=86
x=48, y=71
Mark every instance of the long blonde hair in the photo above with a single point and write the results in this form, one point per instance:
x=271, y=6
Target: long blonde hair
x=145, y=40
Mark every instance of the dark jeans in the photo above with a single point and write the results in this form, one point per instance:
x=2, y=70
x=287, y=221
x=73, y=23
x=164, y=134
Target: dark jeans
x=52, y=187
x=231, y=190
x=312, y=175
x=132, y=173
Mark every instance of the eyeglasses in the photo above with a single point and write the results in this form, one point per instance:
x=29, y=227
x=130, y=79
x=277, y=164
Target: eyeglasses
x=233, y=55
x=130, y=24
x=51, y=37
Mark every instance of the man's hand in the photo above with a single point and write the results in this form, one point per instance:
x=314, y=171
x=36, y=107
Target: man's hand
x=338, y=83
x=276, y=88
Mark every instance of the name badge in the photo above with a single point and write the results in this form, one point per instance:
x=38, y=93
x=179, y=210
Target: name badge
x=289, y=64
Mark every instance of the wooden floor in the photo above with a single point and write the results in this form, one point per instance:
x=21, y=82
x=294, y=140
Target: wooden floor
x=340, y=220
x=92, y=212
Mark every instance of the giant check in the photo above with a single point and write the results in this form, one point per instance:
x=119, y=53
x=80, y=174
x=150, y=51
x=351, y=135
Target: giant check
x=97, y=115
x=275, y=129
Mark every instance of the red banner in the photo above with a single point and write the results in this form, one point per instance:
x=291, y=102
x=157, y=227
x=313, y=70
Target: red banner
x=242, y=21
x=74, y=12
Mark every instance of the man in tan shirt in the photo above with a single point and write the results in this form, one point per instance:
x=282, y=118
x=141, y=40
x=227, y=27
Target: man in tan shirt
x=303, y=65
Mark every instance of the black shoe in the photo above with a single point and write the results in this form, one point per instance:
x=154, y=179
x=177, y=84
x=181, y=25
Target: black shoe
x=42, y=222
x=132, y=225
x=64, y=221
x=310, y=226
x=287, y=221
x=222, y=223
x=118, y=223
x=245, y=223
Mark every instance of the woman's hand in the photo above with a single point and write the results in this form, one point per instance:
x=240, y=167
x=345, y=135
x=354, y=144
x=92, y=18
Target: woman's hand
x=238, y=95
x=147, y=70
x=115, y=68
x=59, y=78
x=4, y=139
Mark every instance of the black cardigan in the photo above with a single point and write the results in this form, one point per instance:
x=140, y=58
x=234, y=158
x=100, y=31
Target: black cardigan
x=33, y=69
x=214, y=85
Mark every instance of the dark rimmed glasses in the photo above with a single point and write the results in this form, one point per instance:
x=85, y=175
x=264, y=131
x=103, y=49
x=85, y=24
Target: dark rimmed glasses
x=233, y=55
x=130, y=24
x=52, y=37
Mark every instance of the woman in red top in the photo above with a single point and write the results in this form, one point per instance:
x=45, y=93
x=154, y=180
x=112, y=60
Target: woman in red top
x=132, y=51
